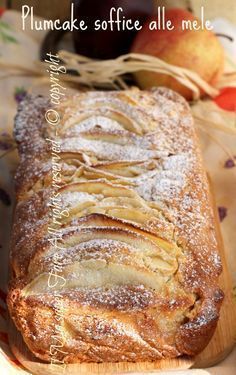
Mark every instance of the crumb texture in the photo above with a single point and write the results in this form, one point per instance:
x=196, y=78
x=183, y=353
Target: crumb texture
x=134, y=275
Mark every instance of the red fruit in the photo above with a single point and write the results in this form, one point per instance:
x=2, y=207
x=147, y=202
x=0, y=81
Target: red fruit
x=227, y=99
x=196, y=50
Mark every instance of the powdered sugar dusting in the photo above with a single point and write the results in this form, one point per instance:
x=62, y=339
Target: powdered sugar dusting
x=138, y=161
x=73, y=198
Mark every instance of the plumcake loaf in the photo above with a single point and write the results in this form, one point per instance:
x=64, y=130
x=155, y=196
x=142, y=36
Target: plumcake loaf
x=118, y=260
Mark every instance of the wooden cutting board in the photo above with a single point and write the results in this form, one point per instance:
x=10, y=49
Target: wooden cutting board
x=219, y=347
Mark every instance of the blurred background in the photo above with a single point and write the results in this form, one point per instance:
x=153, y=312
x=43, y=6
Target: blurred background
x=60, y=9
x=22, y=73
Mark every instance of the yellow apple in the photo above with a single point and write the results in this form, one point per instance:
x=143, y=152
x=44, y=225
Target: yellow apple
x=197, y=50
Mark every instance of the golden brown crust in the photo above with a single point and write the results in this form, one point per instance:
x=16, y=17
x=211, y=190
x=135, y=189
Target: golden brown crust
x=138, y=263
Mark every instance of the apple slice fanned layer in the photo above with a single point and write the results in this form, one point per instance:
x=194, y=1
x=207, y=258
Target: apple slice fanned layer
x=107, y=156
x=114, y=224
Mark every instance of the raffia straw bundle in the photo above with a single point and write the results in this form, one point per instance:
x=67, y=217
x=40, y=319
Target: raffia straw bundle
x=208, y=115
x=228, y=79
x=109, y=73
x=112, y=74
